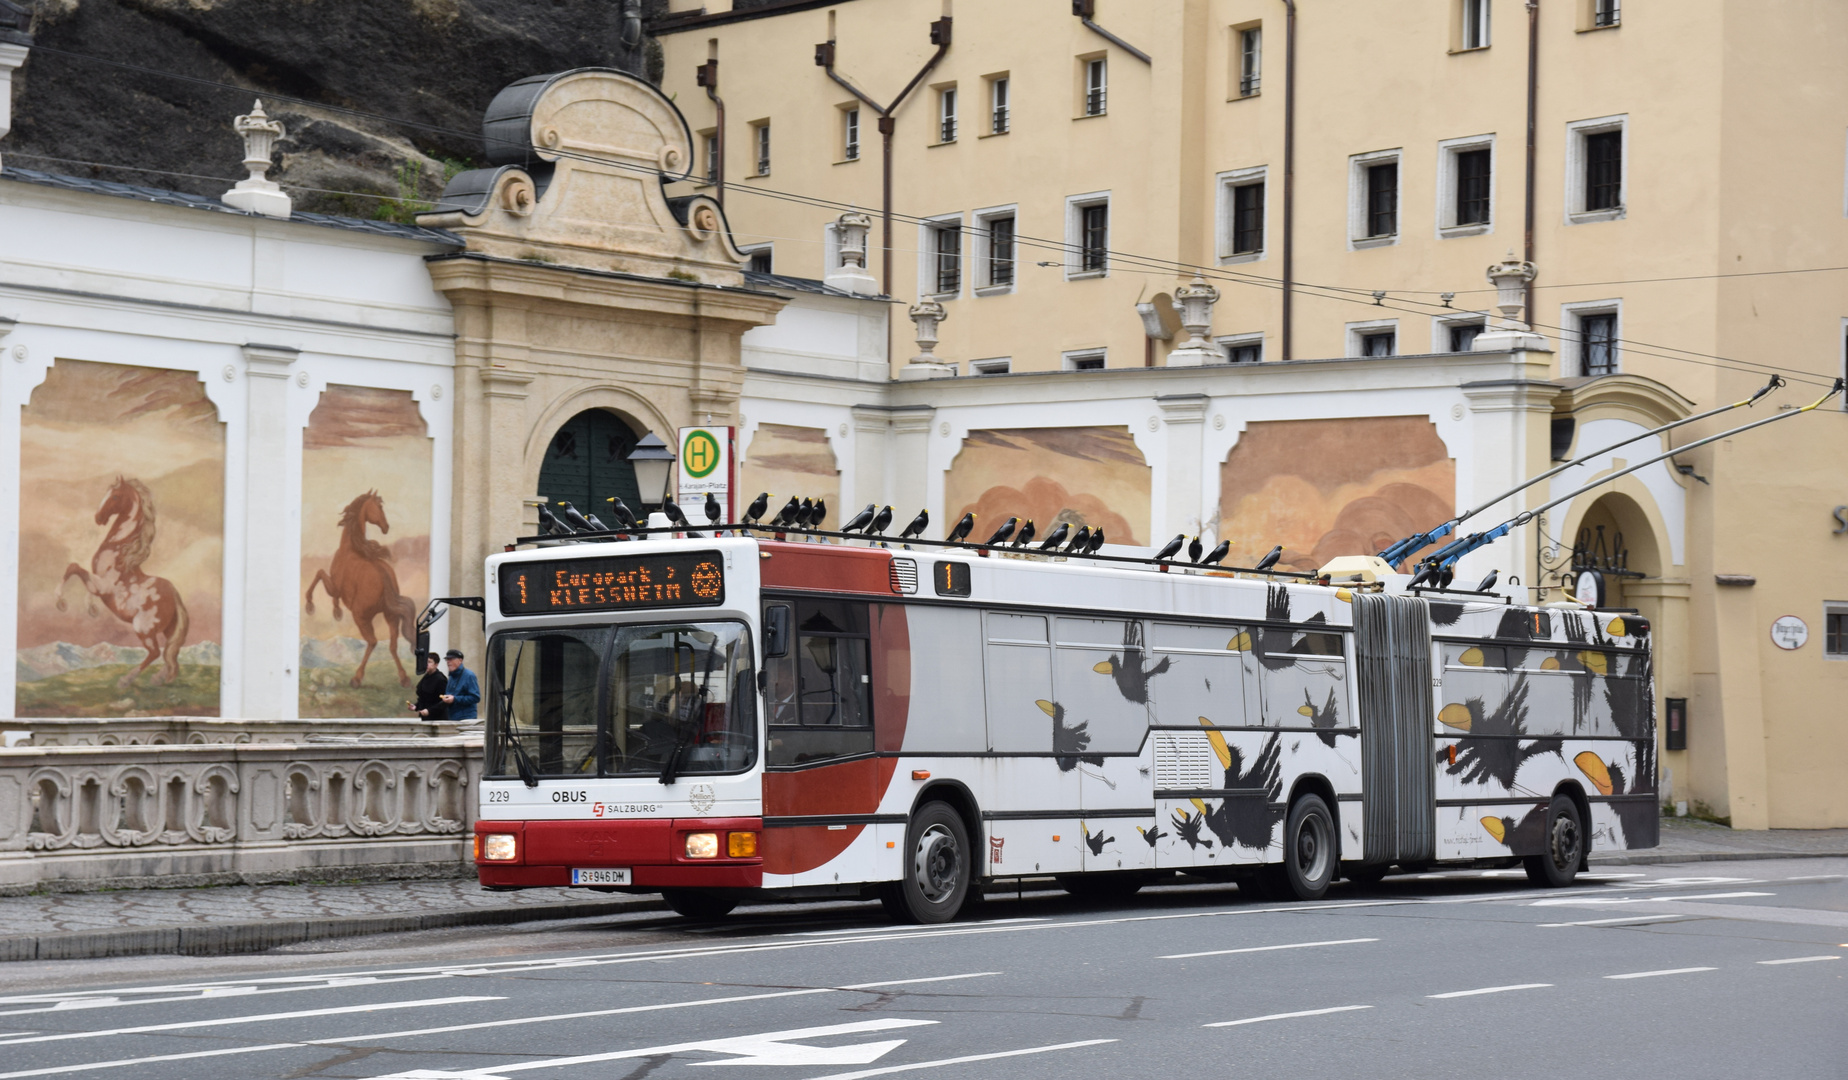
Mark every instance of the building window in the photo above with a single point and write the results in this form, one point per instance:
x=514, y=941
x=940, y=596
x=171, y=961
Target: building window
x=1598, y=343
x=757, y=259
x=1083, y=360
x=1462, y=336
x=1244, y=349
x=1373, y=339
x=1606, y=12
x=1250, y=60
x=1835, y=630
x=1475, y=24
x=1473, y=187
x=946, y=256
x=1096, y=87
x=712, y=156
x=760, y=138
x=850, y=141
x=997, y=106
x=999, y=260
x=1248, y=218
x=1603, y=171
x=1094, y=237
x=946, y=114
x=997, y=366
x=1382, y=200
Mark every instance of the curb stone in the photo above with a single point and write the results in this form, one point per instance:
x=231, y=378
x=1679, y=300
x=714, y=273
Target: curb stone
x=228, y=939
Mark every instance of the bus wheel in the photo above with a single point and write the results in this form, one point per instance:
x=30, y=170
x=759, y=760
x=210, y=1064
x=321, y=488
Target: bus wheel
x=936, y=874
x=1558, y=864
x=1309, y=848
x=702, y=904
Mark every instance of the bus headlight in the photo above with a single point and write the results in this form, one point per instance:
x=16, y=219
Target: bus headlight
x=741, y=845
x=703, y=845
x=495, y=847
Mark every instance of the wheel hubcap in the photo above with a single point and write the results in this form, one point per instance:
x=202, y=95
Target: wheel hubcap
x=1311, y=850
x=1565, y=843
x=934, y=864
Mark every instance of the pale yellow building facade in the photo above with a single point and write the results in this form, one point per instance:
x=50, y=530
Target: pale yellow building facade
x=1687, y=201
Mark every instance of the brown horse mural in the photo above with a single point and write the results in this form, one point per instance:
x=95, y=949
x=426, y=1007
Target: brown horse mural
x=362, y=578
x=150, y=605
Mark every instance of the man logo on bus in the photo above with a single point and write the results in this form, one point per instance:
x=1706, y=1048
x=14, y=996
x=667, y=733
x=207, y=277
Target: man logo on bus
x=699, y=455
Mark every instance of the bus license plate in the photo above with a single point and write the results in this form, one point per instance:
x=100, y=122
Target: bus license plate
x=604, y=876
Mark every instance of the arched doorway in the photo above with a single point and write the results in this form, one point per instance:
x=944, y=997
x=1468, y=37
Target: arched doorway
x=1615, y=544
x=587, y=462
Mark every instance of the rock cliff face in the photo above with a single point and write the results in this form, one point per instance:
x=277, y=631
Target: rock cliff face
x=432, y=64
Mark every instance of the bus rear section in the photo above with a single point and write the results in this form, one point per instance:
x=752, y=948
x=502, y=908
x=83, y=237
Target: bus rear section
x=822, y=720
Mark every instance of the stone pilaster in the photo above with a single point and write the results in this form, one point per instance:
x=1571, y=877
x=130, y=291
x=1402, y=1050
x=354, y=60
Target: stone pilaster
x=1183, y=417
x=272, y=536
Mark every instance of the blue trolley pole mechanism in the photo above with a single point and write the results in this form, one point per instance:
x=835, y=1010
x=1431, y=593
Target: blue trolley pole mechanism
x=1405, y=547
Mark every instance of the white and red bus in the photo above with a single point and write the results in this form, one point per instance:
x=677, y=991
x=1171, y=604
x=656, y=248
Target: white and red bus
x=723, y=719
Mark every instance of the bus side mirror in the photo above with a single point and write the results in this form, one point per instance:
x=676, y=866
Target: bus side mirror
x=776, y=630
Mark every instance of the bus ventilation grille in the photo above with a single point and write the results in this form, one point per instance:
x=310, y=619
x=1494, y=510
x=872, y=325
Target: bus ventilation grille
x=1183, y=761
x=904, y=576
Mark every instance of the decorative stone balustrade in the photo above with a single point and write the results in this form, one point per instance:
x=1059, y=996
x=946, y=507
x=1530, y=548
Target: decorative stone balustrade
x=194, y=730
x=74, y=817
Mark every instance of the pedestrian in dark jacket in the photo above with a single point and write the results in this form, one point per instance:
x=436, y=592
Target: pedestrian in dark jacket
x=430, y=690
x=464, y=689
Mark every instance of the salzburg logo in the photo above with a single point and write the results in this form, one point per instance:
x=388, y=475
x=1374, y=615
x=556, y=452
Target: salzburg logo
x=701, y=798
x=994, y=849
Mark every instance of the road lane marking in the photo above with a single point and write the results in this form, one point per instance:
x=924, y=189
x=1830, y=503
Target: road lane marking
x=195, y=992
x=88, y=1066
x=1289, y=1015
x=1800, y=960
x=340, y=1010
x=1580, y=901
x=1491, y=990
x=1665, y=971
x=916, y=929
x=1665, y=917
x=890, y=1069
x=1269, y=948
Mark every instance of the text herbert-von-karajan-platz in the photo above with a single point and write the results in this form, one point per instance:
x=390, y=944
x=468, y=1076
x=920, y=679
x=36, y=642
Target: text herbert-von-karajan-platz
x=1214, y=267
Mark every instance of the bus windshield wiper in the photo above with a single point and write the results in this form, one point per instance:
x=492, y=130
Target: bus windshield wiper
x=528, y=774
x=684, y=732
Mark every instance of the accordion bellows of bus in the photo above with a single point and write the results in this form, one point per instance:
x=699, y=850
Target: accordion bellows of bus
x=735, y=718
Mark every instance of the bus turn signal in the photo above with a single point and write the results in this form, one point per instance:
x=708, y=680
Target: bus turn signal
x=741, y=845
x=920, y=774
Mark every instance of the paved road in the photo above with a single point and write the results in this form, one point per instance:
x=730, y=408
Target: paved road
x=1679, y=970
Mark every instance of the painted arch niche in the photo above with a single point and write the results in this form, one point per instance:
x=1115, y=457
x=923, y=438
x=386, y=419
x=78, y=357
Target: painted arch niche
x=1323, y=488
x=1079, y=475
x=121, y=544
x=367, y=471
x=786, y=460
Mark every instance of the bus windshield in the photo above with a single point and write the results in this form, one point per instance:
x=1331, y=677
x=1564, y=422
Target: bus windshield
x=652, y=700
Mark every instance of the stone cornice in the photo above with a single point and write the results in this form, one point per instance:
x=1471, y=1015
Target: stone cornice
x=269, y=361
x=471, y=277
x=1628, y=397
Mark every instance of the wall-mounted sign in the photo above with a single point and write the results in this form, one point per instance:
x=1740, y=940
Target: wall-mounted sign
x=1789, y=632
x=705, y=467
x=1589, y=589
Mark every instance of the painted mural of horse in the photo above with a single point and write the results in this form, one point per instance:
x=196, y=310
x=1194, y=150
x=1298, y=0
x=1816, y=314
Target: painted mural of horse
x=150, y=605
x=362, y=578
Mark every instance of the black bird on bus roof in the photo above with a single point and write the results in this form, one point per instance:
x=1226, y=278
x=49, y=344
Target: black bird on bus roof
x=673, y=511
x=860, y=520
x=821, y=513
x=713, y=509
x=881, y=521
x=1488, y=583
x=596, y=523
x=572, y=517
x=625, y=517
x=549, y=525
x=1169, y=549
x=1097, y=541
x=917, y=526
x=961, y=530
x=1079, y=541
x=804, y=511
x=1270, y=558
x=1194, y=549
x=1217, y=555
x=1025, y=535
x=755, y=512
x=1005, y=531
x=1056, y=537
x=787, y=515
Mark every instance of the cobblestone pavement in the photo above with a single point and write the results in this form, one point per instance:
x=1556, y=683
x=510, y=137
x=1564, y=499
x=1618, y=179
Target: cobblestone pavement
x=55, y=912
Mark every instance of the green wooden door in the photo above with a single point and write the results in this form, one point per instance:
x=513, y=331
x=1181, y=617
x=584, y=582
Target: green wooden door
x=588, y=462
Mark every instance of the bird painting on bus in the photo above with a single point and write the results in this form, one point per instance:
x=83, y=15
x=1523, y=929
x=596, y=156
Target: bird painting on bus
x=1069, y=741
x=1127, y=668
x=1494, y=747
x=1639, y=817
x=1095, y=840
x=1187, y=826
x=1324, y=718
x=1248, y=819
x=1524, y=837
x=1152, y=833
x=1274, y=644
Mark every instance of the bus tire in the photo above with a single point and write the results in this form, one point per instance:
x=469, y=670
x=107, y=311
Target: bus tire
x=1558, y=863
x=936, y=874
x=704, y=905
x=1309, y=852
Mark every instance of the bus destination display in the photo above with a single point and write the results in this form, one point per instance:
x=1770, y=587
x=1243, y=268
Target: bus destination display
x=613, y=583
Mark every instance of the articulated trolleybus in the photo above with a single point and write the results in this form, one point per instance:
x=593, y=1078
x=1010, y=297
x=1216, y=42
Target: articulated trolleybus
x=725, y=718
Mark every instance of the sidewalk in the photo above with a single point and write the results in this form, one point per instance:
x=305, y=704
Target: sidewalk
x=253, y=918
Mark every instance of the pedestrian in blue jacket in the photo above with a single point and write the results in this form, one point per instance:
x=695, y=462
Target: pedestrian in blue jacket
x=464, y=689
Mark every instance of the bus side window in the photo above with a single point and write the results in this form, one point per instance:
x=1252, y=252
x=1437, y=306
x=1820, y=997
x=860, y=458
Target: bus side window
x=821, y=691
x=779, y=666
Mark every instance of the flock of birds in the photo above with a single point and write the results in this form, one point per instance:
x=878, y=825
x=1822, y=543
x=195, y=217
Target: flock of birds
x=874, y=520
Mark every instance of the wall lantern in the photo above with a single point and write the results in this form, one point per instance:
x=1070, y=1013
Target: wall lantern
x=653, y=461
